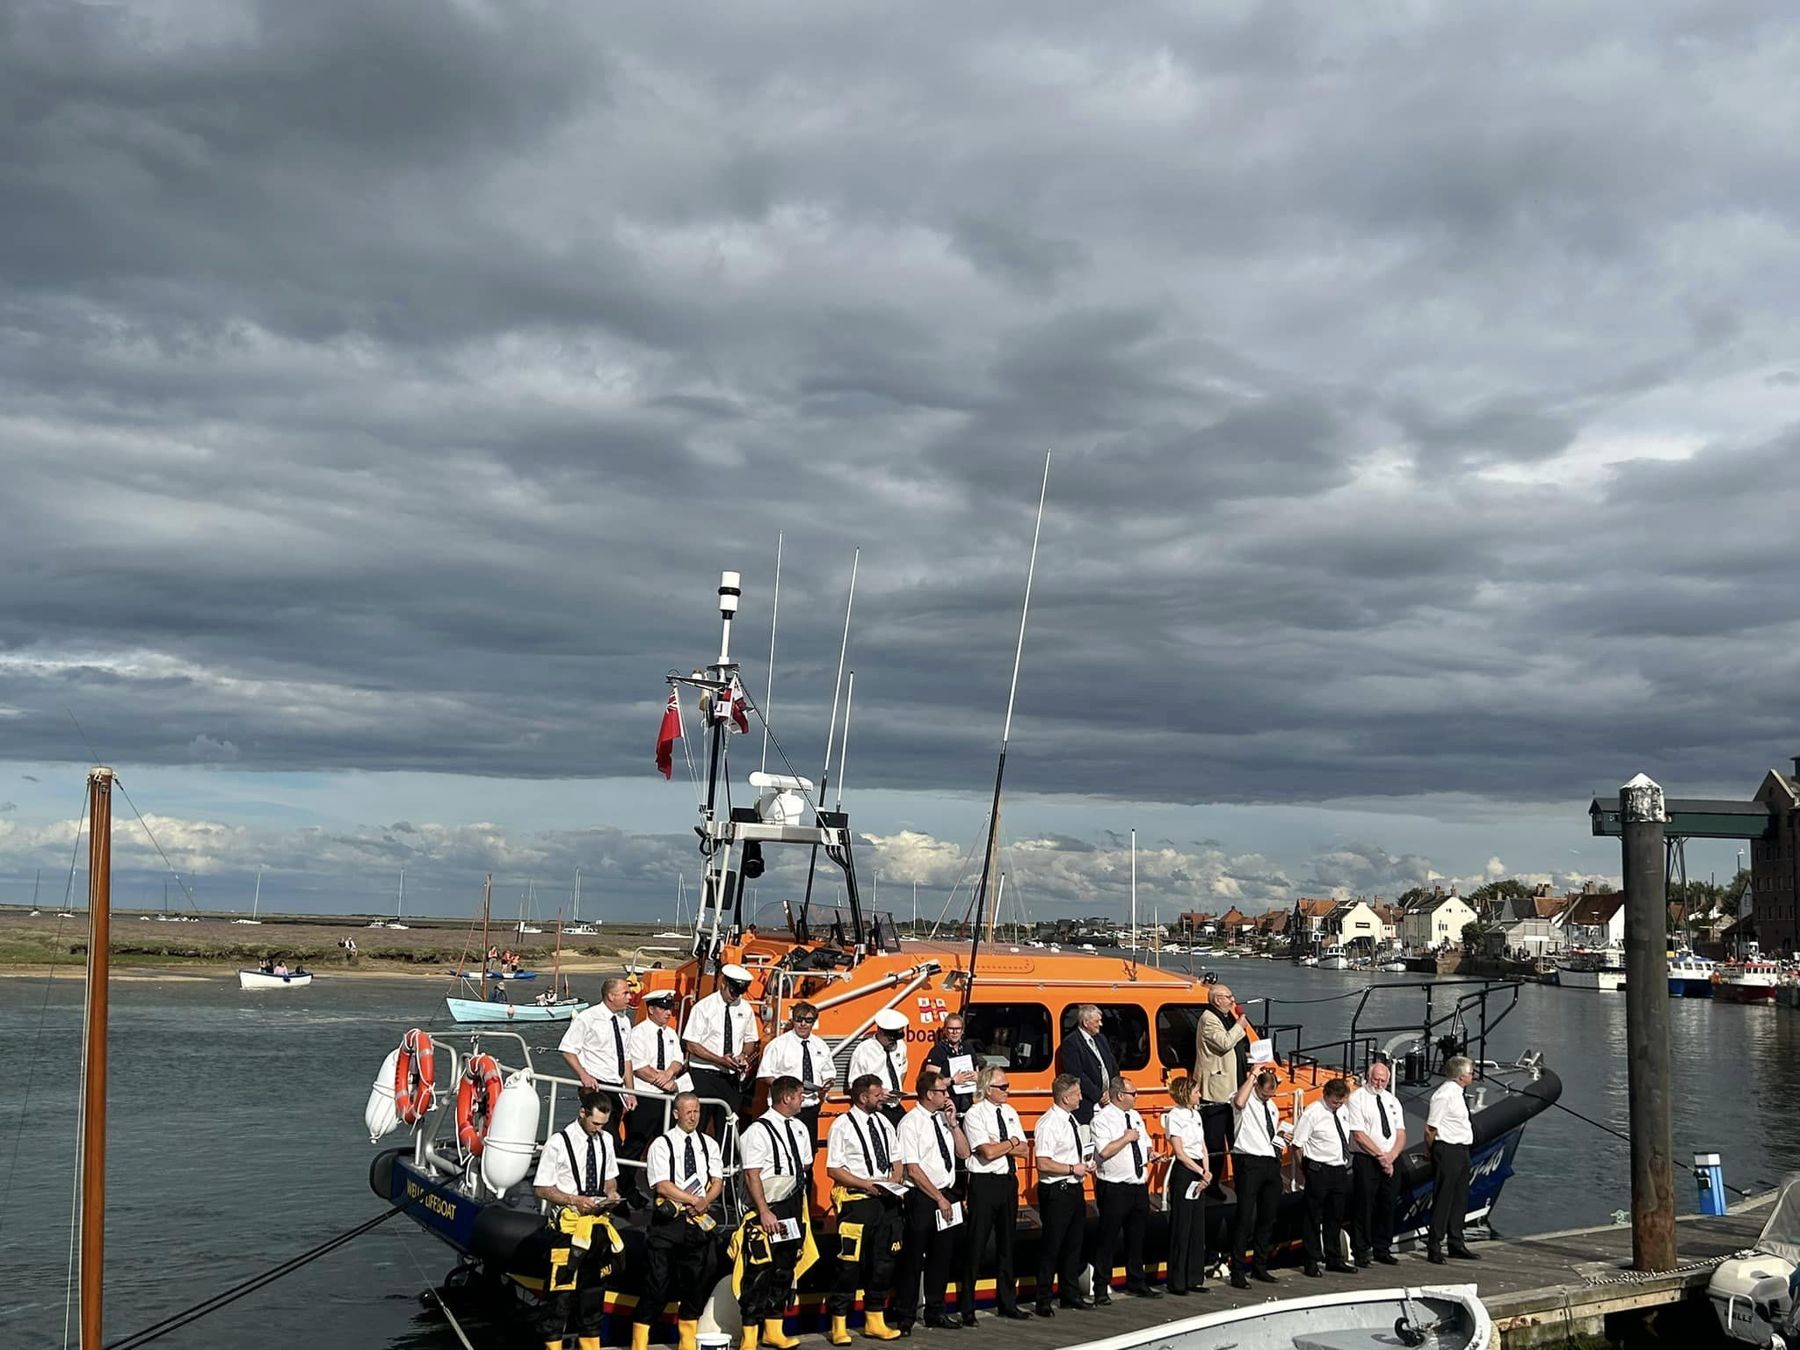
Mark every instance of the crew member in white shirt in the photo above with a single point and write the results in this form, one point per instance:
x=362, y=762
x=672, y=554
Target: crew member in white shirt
x=777, y=1153
x=862, y=1157
x=1256, y=1147
x=659, y=1065
x=1184, y=1194
x=997, y=1146
x=594, y=1044
x=931, y=1140
x=1123, y=1155
x=1062, y=1207
x=1448, y=1134
x=720, y=1037
x=798, y=1053
x=883, y=1053
x=1323, y=1139
x=1377, y=1138
x=579, y=1170
x=685, y=1173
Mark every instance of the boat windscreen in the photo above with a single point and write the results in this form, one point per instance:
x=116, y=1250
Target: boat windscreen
x=1781, y=1234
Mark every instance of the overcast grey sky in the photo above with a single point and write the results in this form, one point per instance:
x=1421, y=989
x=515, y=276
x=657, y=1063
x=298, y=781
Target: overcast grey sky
x=382, y=389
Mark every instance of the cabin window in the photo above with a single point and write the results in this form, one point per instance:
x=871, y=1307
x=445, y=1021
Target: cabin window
x=1178, y=1034
x=1126, y=1029
x=1016, y=1035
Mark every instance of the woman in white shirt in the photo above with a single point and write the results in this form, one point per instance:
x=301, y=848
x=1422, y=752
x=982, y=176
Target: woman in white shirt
x=1185, y=1189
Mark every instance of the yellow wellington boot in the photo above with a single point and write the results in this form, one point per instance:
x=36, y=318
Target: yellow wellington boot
x=747, y=1338
x=839, y=1333
x=775, y=1336
x=640, y=1336
x=687, y=1335
x=875, y=1327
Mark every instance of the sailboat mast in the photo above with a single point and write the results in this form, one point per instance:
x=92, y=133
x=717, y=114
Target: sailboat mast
x=487, y=901
x=1134, y=926
x=577, y=895
x=987, y=861
x=256, y=900
x=769, y=690
x=400, y=901
x=93, y=1113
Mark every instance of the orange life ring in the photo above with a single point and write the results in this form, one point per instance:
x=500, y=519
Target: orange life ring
x=415, y=1077
x=481, y=1075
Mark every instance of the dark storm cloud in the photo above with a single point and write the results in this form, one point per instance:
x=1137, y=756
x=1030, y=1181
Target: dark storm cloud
x=386, y=389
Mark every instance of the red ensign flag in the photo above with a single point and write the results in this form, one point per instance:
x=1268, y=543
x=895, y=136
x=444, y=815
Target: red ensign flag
x=668, y=735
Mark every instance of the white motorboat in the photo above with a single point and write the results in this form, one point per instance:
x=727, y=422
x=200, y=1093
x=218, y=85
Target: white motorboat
x=1393, y=967
x=1751, y=1293
x=268, y=979
x=1334, y=958
x=1602, y=970
x=1435, y=1317
x=1691, y=976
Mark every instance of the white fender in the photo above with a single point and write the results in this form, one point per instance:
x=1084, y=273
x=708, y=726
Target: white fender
x=380, y=1115
x=512, y=1133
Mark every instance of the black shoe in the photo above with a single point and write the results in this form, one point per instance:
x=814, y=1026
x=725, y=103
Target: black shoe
x=1364, y=1261
x=904, y=1328
x=1020, y=1315
x=1340, y=1267
x=1313, y=1271
x=1145, y=1291
x=1173, y=1292
x=1262, y=1273
x=968, y=1319
x=1238, y=1281
x=1463, y=1254
x=1080, y=1304
x=1387, y=1258
x=1436, y=1257
x=1045, y=1310
x=1103, y=1299
x=944, y=1323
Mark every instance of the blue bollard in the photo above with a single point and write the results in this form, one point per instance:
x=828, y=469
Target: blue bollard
x=1709, y=1175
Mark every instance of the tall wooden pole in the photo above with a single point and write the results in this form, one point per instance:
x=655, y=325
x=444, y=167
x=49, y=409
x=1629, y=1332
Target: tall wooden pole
x=93, y=1113
x=1647, y=1026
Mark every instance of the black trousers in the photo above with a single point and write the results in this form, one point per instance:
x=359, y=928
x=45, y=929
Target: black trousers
x=1187, y=1230
x=1215, y=1120
x=679, y=1259
x=1327, y=1202
x=1063, y=1209
x=1372, y=1208
x=1124, y=1210
x=1450, y=1199
x=993, y=1212
x=642, y=1124
x=767, y=1288
x=809, y=1116
x=728, y=1087
x=868, y=1234
x=581, y=1310
x=1258, y=1195
x=926, y=1252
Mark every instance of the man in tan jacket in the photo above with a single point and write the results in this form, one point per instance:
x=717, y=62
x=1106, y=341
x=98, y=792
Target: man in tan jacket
x=1221, y=1058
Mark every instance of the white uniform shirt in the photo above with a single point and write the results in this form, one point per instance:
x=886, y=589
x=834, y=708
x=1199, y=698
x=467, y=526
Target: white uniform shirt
x=1131, y=1163
x=596, y=1036
x=1254, y=1128
x=1449, y=1115
x=1365, y=1111
x=924, y=1142
x=555, y=1168
x=706, y=1026
x=852, y=1144
x=1183, y=1123
x=789, y=1055
x=641, y=1049
x=1059, y=1139
x=887, y=1065
x=777, y=1146
x=1323, y=1135
x=669, y=1158
x=985, y=1123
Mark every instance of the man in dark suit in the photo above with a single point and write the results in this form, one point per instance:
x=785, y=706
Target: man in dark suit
x=1086, y=1054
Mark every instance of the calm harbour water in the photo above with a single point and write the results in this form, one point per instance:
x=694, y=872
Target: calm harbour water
x=236, y=1140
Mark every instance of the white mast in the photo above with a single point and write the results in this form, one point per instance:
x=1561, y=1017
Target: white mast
x=844, y=745
x=769, y=691
x=577, y=895
x=400, y=903
x=1134, y=928
x=256, y=900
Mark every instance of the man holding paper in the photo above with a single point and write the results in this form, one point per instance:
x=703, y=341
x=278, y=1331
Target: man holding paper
x=931, y=1140
x=777, y=1154
x=862, y=1158
x=1122, y=1188
x=1223, y=1042
x=956, y=1057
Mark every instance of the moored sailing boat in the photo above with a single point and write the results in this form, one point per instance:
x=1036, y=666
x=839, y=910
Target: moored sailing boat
x=496, y=1008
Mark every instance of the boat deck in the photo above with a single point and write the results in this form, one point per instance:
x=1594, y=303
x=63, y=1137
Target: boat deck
x=1538, y=1290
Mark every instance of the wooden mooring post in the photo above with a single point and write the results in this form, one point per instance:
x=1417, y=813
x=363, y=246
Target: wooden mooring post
x=1647, y=1026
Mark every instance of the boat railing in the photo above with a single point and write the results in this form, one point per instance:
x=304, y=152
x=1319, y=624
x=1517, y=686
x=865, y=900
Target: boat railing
x=1463, y=1027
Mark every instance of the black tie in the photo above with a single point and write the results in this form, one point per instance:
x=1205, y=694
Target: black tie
x=662, y=1050
x=728, y=1050
x=619, y=1046
x=879, y=1144
x=1137, y=1153
x=943, y=1143
x=593, y=1170
x=693, y=1168
x=1269, y=1115
x=1381, y=1106
x=1012, y=1163
x=806, y=1063
x=893, y=1073
x=1343, y=1139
